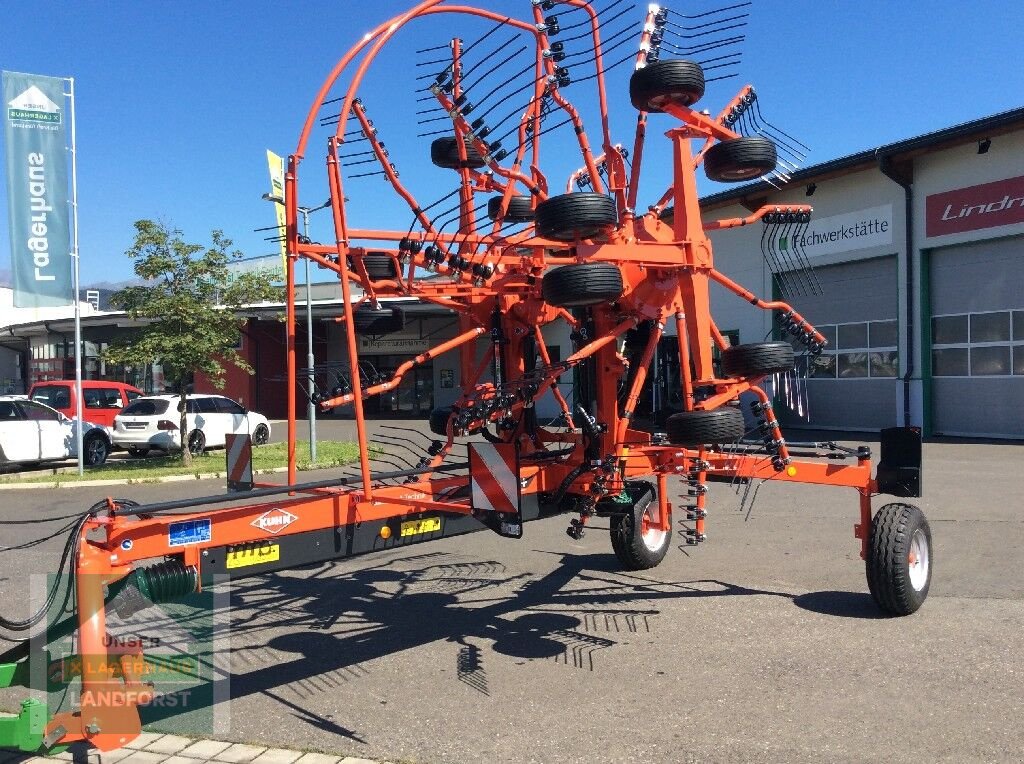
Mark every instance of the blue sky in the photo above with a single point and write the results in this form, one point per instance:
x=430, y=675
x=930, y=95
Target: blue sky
x=177, y=102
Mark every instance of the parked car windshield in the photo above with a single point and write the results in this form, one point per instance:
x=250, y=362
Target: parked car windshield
x=57, y=396
x=146, y=407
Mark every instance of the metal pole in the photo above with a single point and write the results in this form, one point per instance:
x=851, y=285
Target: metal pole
x=310, y=361
x=74, y=257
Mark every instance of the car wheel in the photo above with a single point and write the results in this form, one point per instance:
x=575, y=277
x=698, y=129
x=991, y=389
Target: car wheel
x=261, y=435
x=95, y=451
x=196, y=442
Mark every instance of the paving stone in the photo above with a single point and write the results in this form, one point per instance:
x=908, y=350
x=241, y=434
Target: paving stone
x=179, y=759
x=239, y=753
x=118, y=754
x=143, y=757
x=205, y=749
x=318, y=758
x=146, y=738
x=169, y=744
x=354, y=760
x=277, y=756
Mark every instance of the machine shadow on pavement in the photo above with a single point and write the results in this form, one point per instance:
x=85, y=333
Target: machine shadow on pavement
x=320, y=630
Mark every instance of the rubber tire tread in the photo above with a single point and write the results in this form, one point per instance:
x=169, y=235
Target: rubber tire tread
x=380, y=266
x=757, y=359
x=367, y=320
x=582, y=215
x=520, y=208
x=627, y=544
x=444, y=152
x=740, y=159
x=698, y=428
x=892, y=529
x=580, y=285
x=439, y=420
x=664, y=78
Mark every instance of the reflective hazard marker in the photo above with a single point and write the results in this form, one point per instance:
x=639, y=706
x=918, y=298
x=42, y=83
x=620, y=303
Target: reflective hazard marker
x=238, y=449
x=494, y=486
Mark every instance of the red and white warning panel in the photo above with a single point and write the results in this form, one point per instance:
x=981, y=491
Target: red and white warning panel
x=495, y=488
x=238, y=449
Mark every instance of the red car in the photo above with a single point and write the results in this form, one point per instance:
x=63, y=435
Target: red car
x=101, y=402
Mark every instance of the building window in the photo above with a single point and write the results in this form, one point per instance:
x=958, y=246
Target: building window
x=861, y=350
x=989, y=344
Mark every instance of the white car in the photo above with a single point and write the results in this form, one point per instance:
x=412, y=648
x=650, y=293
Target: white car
x=152, y=422
x=31, y=432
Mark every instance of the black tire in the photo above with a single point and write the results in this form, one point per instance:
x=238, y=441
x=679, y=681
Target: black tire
x=663, y=82
x=138, y=453
x=380, y=266
x=635, y=548
x=757, y=360
x=261, y=435
x=444, y=152
x=576, y=286
x=897, y=585
x=698, y=428
x=520, y=209
x=196, y=442
x=740, y=159
x=439, y=420
x=368, y=320
x=95, y=450
x=569, y=217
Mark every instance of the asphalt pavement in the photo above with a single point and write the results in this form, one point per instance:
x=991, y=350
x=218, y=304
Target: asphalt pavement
x=759, y=645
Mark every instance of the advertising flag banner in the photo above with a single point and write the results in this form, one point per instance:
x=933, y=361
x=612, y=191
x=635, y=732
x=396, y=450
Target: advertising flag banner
x=37, y=190
x=276, y=165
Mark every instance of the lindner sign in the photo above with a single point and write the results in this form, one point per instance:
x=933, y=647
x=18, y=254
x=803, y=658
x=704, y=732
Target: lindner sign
x=975, y=207
x=37, y=189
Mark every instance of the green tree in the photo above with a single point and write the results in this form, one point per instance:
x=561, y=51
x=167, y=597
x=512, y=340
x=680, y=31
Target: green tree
x=190, y=298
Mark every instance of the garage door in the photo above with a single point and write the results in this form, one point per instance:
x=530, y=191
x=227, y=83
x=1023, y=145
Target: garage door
x=853, y=385
x=977, y=353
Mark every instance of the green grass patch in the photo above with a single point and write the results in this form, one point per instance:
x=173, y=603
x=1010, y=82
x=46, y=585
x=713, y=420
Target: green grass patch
x=148, y=470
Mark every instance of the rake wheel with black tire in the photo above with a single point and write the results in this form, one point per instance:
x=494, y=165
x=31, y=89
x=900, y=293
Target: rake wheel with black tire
x=520, y=208
x=568, y=217
x=444, y=152
x=700, y=428
x=577, y=286
x=899, y=563
x=380, y=266
x=666, y=82
x=376, y=321
x=740, y=159
x=758, y=359
x=636, y=544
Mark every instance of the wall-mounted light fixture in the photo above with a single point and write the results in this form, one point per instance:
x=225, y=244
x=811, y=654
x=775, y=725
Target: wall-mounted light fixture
x=983, y=145
x=811, y=188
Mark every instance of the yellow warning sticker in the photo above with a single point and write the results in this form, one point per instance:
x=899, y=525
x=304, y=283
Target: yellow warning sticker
x=243, y=557
x=426, y=525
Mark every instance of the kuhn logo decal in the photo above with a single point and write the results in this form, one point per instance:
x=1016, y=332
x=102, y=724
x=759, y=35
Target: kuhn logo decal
x=274, y=521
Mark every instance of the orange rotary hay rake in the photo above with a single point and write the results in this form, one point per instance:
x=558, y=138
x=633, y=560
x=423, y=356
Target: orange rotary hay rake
x=512, y=254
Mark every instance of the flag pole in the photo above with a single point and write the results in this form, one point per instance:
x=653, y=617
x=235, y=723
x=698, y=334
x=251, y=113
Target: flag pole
x=78, y=313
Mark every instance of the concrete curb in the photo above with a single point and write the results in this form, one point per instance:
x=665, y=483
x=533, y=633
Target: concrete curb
x=130, y=481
